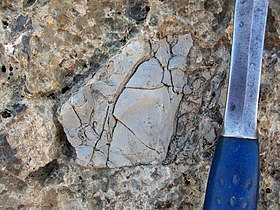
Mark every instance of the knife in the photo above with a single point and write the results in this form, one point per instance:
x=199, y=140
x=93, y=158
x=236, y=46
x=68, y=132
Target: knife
x=233, y=180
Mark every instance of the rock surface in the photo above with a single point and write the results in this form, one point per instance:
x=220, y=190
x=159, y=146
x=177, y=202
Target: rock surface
x=32, y=134
x=125, y=115
x=65, y=54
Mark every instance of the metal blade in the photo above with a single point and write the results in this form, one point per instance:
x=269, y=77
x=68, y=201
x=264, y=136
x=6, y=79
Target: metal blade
x=244, y=82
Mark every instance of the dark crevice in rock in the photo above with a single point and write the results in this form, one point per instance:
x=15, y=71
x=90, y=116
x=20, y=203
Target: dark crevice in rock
x=76, y=113
x=138, y=10
x=215, y=114
x=110, y=140
x=52, y=96
x=6, y=114
x=44, y=172
x=66, y=149
x=5, y=23
x=101, y=133
x=145, y=88
x=28, y=3
x=3, y=69
x=65, y=89
x=170, y=154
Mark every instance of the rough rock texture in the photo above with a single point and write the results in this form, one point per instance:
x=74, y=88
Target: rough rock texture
x=125, y=114
x=57, y=56
x=32, y=134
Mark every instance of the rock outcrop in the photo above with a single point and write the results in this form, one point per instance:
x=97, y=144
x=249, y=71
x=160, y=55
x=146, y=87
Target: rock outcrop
x=117, y=104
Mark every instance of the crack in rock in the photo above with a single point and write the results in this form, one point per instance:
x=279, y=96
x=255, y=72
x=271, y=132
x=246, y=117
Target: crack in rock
x=125, y=114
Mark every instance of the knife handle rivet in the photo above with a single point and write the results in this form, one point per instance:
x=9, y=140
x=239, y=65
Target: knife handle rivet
x=219, y=201
x=248, y=185
x=241, y=24
x=233, y=201
x=222, y=181
x=244, y=205
x=235, y=180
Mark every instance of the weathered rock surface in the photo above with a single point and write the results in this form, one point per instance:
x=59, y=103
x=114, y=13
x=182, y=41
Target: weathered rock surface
x=30, y=138
x=51, y=51
x=125, y=115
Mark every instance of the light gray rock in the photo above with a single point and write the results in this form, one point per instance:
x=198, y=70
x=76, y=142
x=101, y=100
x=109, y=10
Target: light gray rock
x=180, y=52
x=148, y=117
x=148, y=75
x=187, y=90
x=163, y=54
x=125, y=115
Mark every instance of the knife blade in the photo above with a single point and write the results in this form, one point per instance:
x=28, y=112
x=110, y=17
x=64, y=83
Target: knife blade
x=234, y=174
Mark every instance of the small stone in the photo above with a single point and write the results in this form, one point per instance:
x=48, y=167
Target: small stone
x=196, y=85
x=180, y=52
x=177, y=62
x=187, y=90
x=163, y=54
x=2, y=187
x=206, y=75
x=183, y=46
x=178, y=79
x=32, y=136
x=167, y=78
x=211, y=135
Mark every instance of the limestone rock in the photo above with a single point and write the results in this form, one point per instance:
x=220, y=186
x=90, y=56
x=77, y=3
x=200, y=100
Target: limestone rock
x=125, y=115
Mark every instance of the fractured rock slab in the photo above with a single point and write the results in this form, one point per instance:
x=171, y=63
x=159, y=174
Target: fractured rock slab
x=125, y=115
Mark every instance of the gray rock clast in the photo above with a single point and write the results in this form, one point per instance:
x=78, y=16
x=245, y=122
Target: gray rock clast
x=125, y=115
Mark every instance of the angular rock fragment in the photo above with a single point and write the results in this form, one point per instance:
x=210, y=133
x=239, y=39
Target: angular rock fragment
x=125, y=115
x=31, y=138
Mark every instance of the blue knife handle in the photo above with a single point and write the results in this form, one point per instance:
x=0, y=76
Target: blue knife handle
x=233, y=181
